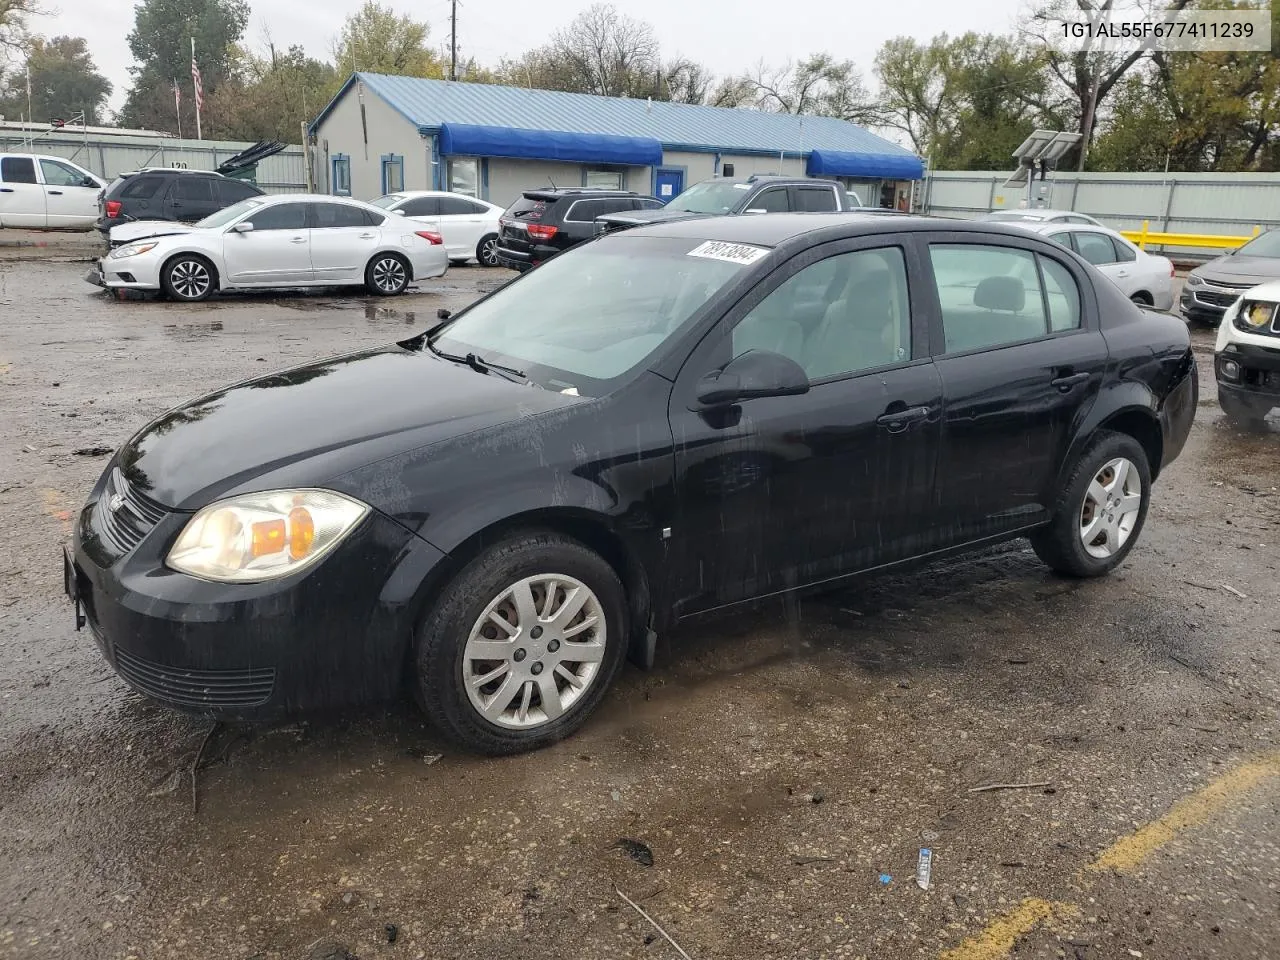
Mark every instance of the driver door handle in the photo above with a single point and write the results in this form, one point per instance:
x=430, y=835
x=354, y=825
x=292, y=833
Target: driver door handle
x=1065, y=383
x=897, y=421
x=297, y=239
x=55, y=193
x=367, y=236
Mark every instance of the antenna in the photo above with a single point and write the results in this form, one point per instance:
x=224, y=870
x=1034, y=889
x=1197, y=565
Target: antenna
x=553, y=184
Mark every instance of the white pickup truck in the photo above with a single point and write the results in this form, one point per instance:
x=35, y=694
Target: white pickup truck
x=47, y=193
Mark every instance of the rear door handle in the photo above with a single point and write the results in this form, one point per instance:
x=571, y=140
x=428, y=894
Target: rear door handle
x=6, y=190
x=898, y=420
x=55, y=193
x=297, y=239
x=1066, y=383
x=367, y=236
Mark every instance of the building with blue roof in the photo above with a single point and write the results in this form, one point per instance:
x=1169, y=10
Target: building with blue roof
x=382, y=134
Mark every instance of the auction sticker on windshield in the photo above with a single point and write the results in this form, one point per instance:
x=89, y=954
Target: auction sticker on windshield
x=729, y=252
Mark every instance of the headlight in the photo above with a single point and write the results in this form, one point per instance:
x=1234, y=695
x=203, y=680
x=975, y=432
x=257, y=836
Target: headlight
x=261, y=536
x=1254, y=316
x=1194, y=280
x=132, y=250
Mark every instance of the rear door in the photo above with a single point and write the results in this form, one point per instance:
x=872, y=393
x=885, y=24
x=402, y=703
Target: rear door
x=462, y=224
x=276, y=252
x=1096, y=247
x=343, y=239
x=1016, y=341
x=22, y=200
x=71, y=194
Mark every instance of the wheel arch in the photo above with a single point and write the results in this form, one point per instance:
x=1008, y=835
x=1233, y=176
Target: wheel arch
x=189, y=252
x=396, y=252
x=1129, y=408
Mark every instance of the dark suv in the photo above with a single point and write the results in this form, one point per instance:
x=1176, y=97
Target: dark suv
x=164, y=194
x=541, y=223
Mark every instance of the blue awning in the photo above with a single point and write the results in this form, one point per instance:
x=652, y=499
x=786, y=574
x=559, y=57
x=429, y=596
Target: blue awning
x=461, y=139
x=884, y=166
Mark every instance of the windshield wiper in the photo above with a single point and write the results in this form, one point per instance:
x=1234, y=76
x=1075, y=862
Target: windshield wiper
x=479, y=364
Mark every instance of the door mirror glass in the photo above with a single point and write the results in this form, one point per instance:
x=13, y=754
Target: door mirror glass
x=754, y=374
x=243, y=226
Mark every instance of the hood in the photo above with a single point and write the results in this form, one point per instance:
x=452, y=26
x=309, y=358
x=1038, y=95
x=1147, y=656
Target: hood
x=142, y=229
x=1240, y=270
x=309, y=424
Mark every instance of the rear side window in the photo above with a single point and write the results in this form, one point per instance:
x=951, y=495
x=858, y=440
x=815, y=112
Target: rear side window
x=232, y=191
x=1097, y=248
x=141, y=188
x=17, y=170
x=526, y=209
x=816, y=199
x=421, y=207
x=646, y=204
x=990, y=296
x=1061, y=294
x=457, y=207
x=196, y=189
x=338, y=215
x=1124, y=252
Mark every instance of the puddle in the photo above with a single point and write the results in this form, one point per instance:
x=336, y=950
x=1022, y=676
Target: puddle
x=377, y=314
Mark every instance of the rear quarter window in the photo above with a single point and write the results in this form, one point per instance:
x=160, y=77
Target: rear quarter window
x=526, y=209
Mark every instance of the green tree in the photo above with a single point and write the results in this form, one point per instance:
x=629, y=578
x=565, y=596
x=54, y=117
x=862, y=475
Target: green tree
x=269, y=95
x=64, y=82
x=375, y=39
x=161, y=45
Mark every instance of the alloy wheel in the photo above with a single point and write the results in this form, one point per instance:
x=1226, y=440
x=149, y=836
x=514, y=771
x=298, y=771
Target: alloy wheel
x=534, y=651
x=489, y=252
x=190, y=279
x=1111, y=506
x=389, y=275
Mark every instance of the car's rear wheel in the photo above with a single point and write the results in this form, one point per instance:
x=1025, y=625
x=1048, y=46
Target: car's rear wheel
x=521, y=645
x=1101, y=509
x=387, y=275
x=487, y=251
x=187, y=277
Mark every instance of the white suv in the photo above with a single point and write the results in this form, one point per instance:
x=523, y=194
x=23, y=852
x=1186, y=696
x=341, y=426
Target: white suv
x=1247, y=355
x=47, y=193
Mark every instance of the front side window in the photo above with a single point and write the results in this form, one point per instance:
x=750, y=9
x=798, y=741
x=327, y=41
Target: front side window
x=281, y=216
x=772, y=201
x=342, y=175
x=617, y=301
x=464, y=176
x=1095, y=247
x=990, y=296
x=60, y=175
x=17, y=170
x=841, y=315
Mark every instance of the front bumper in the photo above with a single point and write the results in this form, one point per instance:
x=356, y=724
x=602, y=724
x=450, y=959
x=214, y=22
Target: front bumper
x=1206, y=303
x=1255, y=388
x=130, y=273
x=338, y=634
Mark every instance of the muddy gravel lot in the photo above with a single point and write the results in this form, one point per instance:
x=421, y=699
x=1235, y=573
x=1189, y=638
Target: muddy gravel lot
x=775, y=775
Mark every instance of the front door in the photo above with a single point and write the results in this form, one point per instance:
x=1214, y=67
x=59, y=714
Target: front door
x=781, y=492
x=277, y=251
x=1021, y=360
x=343, y=240
x=21, y=194
x=669, y=184
x=71, y=197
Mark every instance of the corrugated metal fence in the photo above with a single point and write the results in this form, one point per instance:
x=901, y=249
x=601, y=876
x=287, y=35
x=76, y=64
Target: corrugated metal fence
x=1213, y=203
x=109, y=156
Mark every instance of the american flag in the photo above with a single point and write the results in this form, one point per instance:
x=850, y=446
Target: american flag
x=195, y=80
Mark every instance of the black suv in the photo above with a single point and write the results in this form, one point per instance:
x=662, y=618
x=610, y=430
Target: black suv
x=541, y=223
x=161, y=193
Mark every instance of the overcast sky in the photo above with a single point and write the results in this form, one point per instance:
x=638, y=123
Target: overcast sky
x=728, y=36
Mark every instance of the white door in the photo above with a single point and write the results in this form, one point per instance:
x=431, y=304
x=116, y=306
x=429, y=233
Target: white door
x=21, y=194
x=462, y=224
x=276, y=252
x=71, y=194
x=343, y=240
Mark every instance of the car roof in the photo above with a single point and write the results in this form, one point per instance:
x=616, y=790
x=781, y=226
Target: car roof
x=555, y=193
x=433, y=193
x=776, y=228
x=1040, y=226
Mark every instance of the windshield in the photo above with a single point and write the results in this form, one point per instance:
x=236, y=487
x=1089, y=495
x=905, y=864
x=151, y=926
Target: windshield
x=710, y=196
x=1265, y=245
x=227, y=214
x=389, y=201
x=581, y=321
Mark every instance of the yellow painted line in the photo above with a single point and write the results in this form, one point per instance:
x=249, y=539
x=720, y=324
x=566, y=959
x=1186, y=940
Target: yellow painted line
x=997, y=938
x=1129, y=852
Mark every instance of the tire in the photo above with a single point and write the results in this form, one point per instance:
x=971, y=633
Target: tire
x=387, y=275
x=1062, y=543
x=487, y=250
x=446, y=657
x=188, y=278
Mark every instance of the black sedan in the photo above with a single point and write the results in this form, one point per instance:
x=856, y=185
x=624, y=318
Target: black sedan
x=664, y=422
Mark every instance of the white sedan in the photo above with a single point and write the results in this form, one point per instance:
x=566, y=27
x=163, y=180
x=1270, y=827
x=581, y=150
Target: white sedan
x=1145, y=278
x=469, y=226
x=275, y=241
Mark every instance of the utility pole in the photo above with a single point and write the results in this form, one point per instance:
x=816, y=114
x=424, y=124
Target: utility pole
x=453, y=40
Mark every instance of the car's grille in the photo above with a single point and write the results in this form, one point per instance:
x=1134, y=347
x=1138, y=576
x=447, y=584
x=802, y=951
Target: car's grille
x=125, y=516
x=1215, y=299
x=197, y=688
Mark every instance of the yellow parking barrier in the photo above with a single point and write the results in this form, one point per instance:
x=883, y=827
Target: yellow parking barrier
x=1206, y=240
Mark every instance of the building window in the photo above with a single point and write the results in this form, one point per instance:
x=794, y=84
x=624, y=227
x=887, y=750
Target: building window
x=604, y=179
x=392, y=173
x=464, y=176
x=342, y=175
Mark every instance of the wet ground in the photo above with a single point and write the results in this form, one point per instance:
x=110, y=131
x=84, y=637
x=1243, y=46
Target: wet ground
x=782, y=767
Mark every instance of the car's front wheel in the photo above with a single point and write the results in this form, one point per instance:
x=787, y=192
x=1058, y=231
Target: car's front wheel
x=521, y=646
x=1100, y=510
x=487, y=251
x=187, y=277
x=387, y=275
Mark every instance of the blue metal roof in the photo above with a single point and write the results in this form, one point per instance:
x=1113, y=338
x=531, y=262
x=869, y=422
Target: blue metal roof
x=468, y=140
x=430, y=104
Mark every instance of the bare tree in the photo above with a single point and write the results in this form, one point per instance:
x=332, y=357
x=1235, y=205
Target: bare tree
x=13, y=25
x=819, y=85
x=610, y=54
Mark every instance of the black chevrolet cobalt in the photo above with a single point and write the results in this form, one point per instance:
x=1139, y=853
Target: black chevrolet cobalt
x=661, y=423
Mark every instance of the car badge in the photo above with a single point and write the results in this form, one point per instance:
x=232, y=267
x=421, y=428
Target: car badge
x=115, y=503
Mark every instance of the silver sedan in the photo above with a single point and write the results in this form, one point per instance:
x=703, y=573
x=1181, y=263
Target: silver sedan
x=274, y=241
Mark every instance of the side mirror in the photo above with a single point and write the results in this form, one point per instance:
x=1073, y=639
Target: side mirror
x=399, y=212
x=444, y=313
x=244, y=226
x=89, y=182
x=754, y=374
